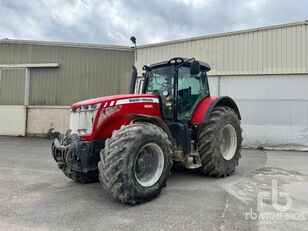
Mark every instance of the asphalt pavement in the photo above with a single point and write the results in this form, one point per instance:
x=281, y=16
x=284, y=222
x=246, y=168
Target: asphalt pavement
x=269, y=191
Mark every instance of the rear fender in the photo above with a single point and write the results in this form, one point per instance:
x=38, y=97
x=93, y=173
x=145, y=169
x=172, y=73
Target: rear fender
x=207, y=105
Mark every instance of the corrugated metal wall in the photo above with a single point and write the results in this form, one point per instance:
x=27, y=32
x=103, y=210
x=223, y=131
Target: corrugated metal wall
x=84, y=72
x=272, y=50
x=274, y=108
x=12, y=86
x=264, y=70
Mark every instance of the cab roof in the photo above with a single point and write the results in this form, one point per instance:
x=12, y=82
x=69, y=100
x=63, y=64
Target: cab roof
x=178, y=60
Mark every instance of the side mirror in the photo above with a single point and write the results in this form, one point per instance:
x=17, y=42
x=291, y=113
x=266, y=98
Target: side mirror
x=194, y=68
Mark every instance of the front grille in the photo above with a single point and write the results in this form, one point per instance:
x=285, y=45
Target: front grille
x=81, y=122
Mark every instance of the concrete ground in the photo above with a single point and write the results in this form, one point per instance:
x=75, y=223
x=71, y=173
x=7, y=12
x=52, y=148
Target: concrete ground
x=35, y=195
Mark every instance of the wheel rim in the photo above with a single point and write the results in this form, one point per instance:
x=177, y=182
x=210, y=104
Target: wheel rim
x=149, y=165
x=228, y=142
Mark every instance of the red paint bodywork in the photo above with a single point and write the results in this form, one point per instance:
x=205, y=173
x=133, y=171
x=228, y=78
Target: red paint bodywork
x=116, y=120
x=199, y=114
x=108, y=99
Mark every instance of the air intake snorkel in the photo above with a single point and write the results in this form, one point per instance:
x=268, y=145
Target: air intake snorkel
x=133, y=80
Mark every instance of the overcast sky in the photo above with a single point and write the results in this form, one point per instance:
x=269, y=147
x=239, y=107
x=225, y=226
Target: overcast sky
x=113, y=22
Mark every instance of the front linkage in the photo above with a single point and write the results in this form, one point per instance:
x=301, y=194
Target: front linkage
x=77, y=159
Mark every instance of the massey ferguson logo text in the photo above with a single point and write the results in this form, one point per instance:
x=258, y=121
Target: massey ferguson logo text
x=141, y=100
x=137, y=100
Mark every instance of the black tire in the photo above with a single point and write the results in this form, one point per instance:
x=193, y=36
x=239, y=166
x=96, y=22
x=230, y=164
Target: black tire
x=118, y=162
x=210, y=138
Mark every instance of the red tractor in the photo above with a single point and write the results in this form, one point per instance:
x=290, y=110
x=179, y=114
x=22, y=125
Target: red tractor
x=130, y=141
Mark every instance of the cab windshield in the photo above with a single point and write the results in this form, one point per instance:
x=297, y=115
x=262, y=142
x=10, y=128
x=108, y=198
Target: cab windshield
x=191, y=89
x=160, y=79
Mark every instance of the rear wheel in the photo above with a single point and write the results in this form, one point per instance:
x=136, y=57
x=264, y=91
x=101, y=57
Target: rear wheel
x=220, y=142
x=136, y=163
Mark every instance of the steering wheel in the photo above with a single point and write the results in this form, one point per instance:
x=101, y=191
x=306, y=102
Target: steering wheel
x=156, y=92
x=185, y=99
x=166, y=86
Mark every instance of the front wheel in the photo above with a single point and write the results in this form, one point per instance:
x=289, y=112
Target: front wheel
x=220, y=143
x=136, y=163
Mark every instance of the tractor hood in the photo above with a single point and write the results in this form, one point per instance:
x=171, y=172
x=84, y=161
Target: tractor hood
x=113, y=99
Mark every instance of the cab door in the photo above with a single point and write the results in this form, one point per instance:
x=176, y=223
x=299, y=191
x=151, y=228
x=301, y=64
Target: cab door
x=191, y=90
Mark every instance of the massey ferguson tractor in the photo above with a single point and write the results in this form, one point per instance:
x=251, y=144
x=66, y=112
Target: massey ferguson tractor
x=129, y=142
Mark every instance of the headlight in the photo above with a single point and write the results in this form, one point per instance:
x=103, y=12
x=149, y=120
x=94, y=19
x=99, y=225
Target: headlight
x=86, y=108
x=94, y=106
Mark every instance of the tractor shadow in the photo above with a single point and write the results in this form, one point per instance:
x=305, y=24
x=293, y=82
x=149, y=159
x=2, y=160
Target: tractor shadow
x=180, y=176
x=179, y=171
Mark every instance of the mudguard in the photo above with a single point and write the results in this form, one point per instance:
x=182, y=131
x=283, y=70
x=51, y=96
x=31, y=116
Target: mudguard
x=206, y=106
x=151, y=119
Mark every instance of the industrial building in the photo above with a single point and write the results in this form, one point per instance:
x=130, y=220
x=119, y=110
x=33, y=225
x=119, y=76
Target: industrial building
x=265, y=70
x=39, y=80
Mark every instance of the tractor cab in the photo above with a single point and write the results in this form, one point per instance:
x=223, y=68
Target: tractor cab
x=181, y=84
